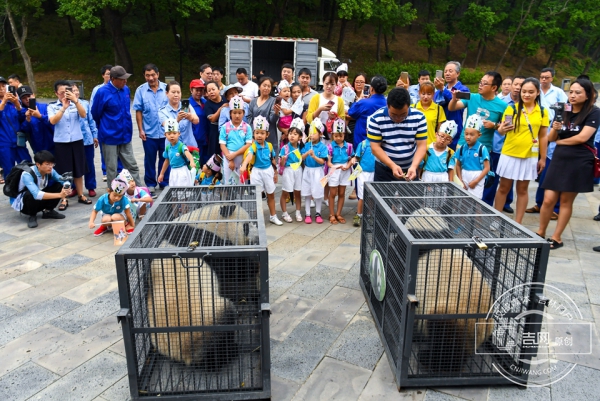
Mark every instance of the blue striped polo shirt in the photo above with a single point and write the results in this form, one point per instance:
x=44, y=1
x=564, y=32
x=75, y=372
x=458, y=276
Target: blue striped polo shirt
x=399, y=141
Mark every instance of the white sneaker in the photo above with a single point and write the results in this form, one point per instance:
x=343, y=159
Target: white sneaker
x=298, y=216
x=275, y=220
x=312, y=203
x=286, y=217
x=326, y=202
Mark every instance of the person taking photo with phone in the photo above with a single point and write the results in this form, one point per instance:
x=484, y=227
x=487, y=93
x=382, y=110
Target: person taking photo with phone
x=10, y=108
x=182, y=113
x=36, y=126
x=443, y=95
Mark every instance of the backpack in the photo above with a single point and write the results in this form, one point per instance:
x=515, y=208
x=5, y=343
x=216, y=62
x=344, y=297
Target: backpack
x=180, y=151
x=253, y=147
x=12, y=180
x=280, y=165
x=229, y=127
x=330, y=153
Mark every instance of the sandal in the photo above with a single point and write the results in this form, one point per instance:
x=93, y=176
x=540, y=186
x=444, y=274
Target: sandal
x=84, y=200
x=554, y=244
x=533, y=209
x=332, y=219
x=63, y=205
x=341, y=219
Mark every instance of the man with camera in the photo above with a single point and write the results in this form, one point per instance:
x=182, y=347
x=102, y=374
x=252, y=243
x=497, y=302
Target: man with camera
x=149, y=98
x=36, y=126
x=64, y=114
x=552, y=98
x=111, y=111
x=11, y=151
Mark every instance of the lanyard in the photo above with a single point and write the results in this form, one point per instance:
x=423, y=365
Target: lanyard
x=529, y=124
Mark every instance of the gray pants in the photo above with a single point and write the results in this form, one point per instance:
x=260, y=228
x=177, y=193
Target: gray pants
x=125, y=153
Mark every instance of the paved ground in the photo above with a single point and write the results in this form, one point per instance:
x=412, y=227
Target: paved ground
x=59, y=337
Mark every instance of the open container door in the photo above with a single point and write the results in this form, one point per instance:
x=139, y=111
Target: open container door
x=238, y=54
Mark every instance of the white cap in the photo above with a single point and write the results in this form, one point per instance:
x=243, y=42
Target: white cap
x=342, y=67
x=449, y=127
x=474, y=121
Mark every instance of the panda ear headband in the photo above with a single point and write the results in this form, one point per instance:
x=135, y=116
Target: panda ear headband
x=297, y=123
x=118, y=186
x=260, y=124
x=236, y=103
x=214, y=163
x=317, y=126
x=449, y=127
x=474, y=122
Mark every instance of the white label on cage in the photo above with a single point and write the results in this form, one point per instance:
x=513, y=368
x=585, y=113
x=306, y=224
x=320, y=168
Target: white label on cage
x=377, y=275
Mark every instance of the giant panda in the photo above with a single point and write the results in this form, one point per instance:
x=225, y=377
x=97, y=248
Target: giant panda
x=447, y=282
x=190, y=297
x=231, y=225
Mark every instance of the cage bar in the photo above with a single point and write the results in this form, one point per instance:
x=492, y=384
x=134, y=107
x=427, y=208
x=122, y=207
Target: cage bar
x=193, y=287
x=437, y=282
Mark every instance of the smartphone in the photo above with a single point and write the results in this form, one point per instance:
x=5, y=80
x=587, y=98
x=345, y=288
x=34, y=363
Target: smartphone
x=69, y=89
x=463, y=95
x=31, y=103
x=367, y=90
x=278, y=100
x=12, y=89
x=67, y=185
x=508, y=119
x=331, y=103
x=185, y=105
x=404, y=77
x=566, y=84
x=439, y=74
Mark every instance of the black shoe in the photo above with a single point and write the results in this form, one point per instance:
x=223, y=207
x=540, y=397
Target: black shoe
x=596, y=248
x=32, y=223
x=508, y=209
x=52, y=214
x=597, y=217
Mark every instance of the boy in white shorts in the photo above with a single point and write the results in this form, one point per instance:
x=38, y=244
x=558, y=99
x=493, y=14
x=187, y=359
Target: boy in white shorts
x=340, y=163
x=365, y=171
x=264, y=172
x=473, y=159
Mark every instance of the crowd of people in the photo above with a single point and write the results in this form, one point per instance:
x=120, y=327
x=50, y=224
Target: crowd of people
x=493, y=142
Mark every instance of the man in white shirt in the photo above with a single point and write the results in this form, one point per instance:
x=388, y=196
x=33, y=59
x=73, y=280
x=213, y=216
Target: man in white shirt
x=250, y=88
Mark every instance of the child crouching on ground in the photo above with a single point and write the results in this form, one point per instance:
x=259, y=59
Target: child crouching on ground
x=264, y=170
x=139, y=197
x=210, y=175
x=473, y=159
x=341, y=161
x=365, y=170
x=112, y=206
x=175, y=155
x=314, y=155
x=235, y=137
x=438, y=164
x=290, y=160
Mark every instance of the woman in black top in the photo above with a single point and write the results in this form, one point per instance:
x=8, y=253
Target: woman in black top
x=571, y=171
x=212, y=109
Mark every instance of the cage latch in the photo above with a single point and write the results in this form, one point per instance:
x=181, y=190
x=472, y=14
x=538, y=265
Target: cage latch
x=479, y=242
x=123, y=314
x=266, y=307
x=413, y=300
x=192, y=246
x=542, y=299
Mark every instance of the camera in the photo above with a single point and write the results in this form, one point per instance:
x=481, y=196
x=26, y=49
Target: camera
x=13, y=90
x=558, y=108
x=67, y=185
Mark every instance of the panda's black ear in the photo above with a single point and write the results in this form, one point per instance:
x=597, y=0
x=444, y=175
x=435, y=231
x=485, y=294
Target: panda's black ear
x=227, y=210
x=246, y=229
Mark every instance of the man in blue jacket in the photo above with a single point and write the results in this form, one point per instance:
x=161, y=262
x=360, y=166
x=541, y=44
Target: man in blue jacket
x=197, y=88
x=111, y=111
x=36, y=124
x=10, y=122
x=443, y=95
x=364, y=108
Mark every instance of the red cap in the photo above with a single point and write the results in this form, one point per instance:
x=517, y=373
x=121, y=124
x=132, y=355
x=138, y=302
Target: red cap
x=196, y=83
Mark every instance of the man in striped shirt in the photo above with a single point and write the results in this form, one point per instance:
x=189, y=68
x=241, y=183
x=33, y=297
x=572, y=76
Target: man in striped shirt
x=398, y=136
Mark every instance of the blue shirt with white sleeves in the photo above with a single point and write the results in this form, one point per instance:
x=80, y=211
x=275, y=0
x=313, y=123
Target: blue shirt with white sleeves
x=469, y=157
x=37, y=187
x=149, y=102
x=103, y=205
x=88, y=125
x=175, y=154
x=263, y=155
x=68, y=128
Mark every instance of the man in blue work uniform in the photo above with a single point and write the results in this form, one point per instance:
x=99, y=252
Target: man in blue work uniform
x=36, y=125
x=10, y=117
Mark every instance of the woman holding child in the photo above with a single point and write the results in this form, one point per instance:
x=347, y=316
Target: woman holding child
x=264, y=105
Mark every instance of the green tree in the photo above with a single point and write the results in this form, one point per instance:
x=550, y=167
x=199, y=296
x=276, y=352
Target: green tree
x=478, y=24
x=387, y=14
x=434, y=39
x=356, y=10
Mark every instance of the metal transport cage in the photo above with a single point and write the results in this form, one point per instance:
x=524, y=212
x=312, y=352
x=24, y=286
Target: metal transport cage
x=436, y=263
x=193, y=287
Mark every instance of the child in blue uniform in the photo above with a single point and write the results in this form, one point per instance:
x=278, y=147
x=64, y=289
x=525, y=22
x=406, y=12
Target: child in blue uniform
x=175, y=154
x=366, y=161
x=438, y=164
x=113, y=206
x=210, y=175
x=290, y=158
x=314, y=155
x=235, y=137
x=139, y=197
x=473, y=159
x=341, y=161
x=264, y=172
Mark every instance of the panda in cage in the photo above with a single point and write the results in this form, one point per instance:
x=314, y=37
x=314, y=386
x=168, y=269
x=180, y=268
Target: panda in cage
x=447, y=282
x=190, y=297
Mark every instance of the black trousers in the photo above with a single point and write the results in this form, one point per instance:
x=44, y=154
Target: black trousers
x=383, y=173
x=32, y=206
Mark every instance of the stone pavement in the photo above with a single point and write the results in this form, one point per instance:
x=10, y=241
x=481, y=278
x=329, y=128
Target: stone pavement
x=59, y=337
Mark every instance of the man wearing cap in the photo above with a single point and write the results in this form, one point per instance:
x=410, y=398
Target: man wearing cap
x=10, y=108
x=113, y=118
x=149, y=97
x=35, y=125
x=200, y=130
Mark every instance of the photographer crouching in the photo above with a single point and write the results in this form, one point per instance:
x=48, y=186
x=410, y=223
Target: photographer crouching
x=37, y=188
